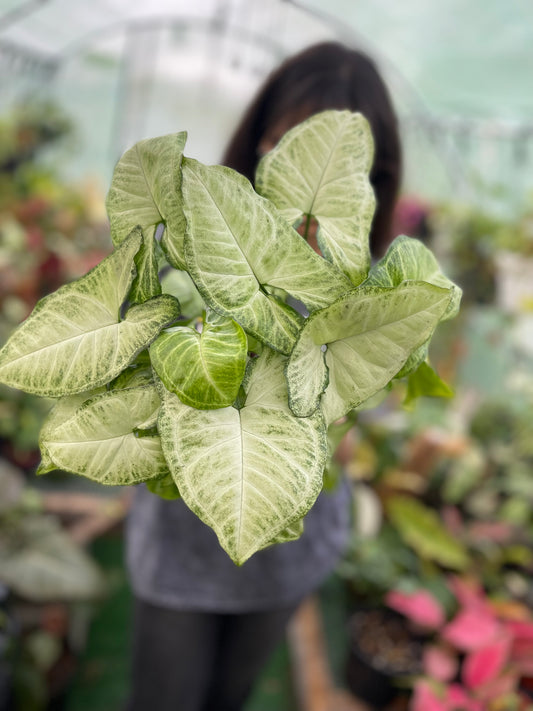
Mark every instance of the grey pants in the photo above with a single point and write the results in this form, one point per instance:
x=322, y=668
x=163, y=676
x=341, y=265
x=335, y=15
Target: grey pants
x=198, y=661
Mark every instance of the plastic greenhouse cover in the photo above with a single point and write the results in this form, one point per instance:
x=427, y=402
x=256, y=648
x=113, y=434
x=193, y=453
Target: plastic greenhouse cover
x=466, y=56
x=458, y=70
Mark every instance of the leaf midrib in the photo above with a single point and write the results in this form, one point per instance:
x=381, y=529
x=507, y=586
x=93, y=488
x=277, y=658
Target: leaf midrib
x=64, y=341
x=376, y=328
x=326, y=167
x=230, y=230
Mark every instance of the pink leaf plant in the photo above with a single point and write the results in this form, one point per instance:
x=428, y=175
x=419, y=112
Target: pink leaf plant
x=475, y=660
x=420, y=607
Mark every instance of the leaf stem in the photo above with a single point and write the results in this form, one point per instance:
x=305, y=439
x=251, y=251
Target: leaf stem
x=306, y=231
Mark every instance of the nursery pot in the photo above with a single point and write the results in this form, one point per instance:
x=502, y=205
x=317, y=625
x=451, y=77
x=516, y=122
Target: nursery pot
x=382, y=650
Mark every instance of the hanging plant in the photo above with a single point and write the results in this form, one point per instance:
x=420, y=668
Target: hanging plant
x=228, y=403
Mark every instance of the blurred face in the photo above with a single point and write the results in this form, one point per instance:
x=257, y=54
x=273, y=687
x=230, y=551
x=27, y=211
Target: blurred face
x=275, y=133
x=308, y=227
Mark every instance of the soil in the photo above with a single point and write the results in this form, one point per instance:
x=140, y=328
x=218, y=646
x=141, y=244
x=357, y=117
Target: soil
x=383, y=649
x=383, y=639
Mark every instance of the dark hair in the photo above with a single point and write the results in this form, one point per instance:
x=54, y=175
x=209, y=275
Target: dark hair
x=327, y=76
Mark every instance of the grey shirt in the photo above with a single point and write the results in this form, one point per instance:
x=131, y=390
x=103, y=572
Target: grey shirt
x=175, y=560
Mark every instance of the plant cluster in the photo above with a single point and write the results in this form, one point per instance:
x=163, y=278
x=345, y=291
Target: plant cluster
x=230, y=407
x=44, y=575
x=50, y=233
x=474, y=659
x=472, y=242
x=444, y=501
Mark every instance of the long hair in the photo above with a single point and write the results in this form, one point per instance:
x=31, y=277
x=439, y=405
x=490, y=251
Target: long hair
x=327, y=76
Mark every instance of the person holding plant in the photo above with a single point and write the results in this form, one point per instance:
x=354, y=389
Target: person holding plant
x=204, y=627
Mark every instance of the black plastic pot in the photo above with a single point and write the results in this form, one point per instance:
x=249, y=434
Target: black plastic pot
x=382, y=651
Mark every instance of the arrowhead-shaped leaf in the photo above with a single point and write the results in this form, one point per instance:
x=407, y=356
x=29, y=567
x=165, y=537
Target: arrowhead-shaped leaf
x=320, y=168
x=74, y=341
x=369, y=334
x=63, y=410
x=408, y=259
x=250, y=474
x=204, y=369
x=237, y=245
x=101, y=438
x=145, y=191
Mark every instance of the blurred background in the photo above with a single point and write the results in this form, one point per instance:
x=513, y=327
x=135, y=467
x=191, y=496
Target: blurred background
x=440, y=488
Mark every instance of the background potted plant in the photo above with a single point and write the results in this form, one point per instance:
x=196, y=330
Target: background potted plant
x=473, y=659
x=451, y=493
x=50, y=233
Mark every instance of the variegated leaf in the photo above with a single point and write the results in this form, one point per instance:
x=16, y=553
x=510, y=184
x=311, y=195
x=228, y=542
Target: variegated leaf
x=237, y=245
x=102, y=437
x=368, y=334
x=74, y=339
x=320, y=168
x=408, y=259
x=145, y=191
x=204, y=369
x=250, y=474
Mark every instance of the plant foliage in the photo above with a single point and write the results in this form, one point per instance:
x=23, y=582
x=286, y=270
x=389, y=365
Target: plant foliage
x=230, y=408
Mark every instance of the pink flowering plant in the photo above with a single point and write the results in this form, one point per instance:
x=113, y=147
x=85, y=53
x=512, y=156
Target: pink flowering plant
x=474, y=660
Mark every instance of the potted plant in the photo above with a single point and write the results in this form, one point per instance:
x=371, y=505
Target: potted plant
x=474, y=659
x=229, y=408
x=445, y=501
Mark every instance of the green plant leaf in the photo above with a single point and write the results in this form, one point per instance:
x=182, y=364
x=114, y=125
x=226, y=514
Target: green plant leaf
x=425, y=382
x=408, y=259
x=421, y=528
x=368, y=334
x=134, y=375
x=320, y=168
x=145, y=191
x=204, y=369
x=165, y=487
x=146, y=283
x=291, y=533
x=62, y=410
x=74, y=341
x=416, y=358
x=98, y=438
x=237, y=245
x=179, y=284
x=40, y=562
x=249, y=474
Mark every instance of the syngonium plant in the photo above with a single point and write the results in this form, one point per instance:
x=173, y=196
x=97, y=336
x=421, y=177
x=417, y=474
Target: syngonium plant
x=226, y=401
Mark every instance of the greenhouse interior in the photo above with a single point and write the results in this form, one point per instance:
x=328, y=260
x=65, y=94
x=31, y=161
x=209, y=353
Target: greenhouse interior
x=307, y=457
